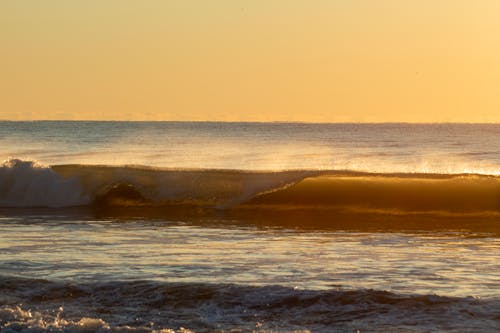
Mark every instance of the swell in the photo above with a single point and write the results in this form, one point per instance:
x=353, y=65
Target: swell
x=451, y=194
x=306, y=189
x=27, y=184
x=154, y=305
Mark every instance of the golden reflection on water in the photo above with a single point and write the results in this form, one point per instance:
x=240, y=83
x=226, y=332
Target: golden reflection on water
x=447, y=263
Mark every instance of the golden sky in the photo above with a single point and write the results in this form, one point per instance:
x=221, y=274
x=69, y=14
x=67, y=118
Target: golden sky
x=253, y=60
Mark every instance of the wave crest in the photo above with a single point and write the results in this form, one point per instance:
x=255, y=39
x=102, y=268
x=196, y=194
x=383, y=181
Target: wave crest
x=31, y=184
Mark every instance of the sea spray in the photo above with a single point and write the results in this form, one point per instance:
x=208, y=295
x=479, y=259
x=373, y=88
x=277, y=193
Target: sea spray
x=32, y=184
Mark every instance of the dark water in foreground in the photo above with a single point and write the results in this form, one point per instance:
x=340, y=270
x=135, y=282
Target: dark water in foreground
x=70, y=274
x=217, y=227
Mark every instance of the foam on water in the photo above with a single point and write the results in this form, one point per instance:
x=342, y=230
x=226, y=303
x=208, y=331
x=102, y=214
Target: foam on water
x=143, y=306
x=31, y=184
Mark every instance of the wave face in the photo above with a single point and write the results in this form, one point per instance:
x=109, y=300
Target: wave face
x=28, y=184
x=148, y=306
x=397, y=193
x=212, y=188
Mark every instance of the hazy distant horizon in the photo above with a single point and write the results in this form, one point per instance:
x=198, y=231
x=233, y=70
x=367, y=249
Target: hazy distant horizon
x=254, y=122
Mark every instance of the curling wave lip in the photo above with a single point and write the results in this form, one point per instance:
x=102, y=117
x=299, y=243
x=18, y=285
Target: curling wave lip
x=29, y=184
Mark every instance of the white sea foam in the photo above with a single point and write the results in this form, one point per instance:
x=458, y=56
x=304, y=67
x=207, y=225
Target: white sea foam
x=26, y=183
x=143, y=306
x=31, y=184
x=16, y=319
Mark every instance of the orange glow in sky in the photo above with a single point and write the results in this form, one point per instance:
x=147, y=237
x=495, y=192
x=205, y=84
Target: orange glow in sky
x=289, y=60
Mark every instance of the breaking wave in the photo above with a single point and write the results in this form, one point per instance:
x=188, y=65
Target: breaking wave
x=29, y=184
x=144, y=306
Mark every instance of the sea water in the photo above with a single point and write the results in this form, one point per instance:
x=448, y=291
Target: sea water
x=236, y=227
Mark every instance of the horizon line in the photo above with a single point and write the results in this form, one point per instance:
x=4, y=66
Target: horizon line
x=256, y=121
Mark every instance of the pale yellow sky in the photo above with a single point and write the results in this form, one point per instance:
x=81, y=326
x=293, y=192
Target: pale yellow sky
x=254, y=60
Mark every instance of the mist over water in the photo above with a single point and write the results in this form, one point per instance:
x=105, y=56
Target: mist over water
x=241, y=227
x=435, y=148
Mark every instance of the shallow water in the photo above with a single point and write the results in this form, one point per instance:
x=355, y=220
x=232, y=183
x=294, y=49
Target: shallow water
x=210, y=275
x=453, y=263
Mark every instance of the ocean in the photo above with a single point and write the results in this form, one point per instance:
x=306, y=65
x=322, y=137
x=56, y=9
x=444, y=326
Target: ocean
x=249, y=227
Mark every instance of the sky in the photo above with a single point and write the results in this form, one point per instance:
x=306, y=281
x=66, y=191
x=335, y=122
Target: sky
x=251, y=60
